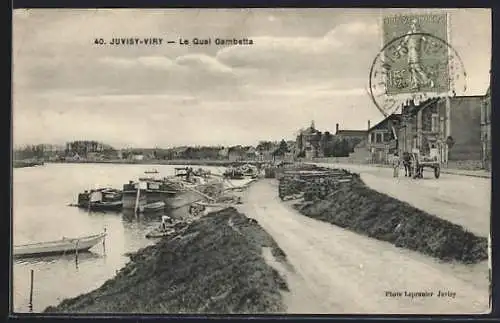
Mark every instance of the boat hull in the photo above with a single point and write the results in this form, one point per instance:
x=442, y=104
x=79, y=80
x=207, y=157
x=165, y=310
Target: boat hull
x=104, y=206
x=153, y=207
x=63, y=246
x=155, y=234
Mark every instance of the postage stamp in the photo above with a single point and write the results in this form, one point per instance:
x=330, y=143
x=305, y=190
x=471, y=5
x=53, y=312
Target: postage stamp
x=419, y=61
x=415, y=63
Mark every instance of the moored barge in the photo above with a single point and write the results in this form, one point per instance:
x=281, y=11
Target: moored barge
x=176, y=192
x=101, y=199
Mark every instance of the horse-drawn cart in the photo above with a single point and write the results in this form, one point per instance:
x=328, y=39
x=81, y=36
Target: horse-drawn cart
x=418, y=162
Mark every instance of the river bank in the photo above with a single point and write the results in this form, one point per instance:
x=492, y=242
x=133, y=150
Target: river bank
x=354, y=206
x=26, y=163
x=217, y=265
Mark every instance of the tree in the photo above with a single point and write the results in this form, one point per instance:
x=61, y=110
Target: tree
x=264, y=146
x=282, y=148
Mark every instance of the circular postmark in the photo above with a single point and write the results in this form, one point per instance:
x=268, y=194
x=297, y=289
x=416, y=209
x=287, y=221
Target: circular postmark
x=415, y=67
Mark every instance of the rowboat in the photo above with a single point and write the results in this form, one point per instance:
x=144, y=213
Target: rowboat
x=203, y=208
x=152, y=207
x=158, y=233
x=64, y=245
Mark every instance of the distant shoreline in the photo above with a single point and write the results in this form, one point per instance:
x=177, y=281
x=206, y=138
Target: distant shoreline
x=197, y=162
x=25, y=163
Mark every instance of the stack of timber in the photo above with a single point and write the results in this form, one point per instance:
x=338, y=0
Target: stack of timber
x=311, y=184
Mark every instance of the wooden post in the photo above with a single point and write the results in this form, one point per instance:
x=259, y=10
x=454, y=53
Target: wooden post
x=137, y=198
x=31, y=290
x=76, y=253
x=104, y=242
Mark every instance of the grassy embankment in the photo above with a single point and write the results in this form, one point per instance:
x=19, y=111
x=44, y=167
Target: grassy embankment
x=357, y=207
x=215, y=266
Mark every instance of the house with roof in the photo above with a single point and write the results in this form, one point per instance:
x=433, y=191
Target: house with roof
x=251, y=153
x=236, y=153
x=381, y=139
x=308, y=142
x=350, y=134
x=223, y=153
x=75, y=157
x=181, y=153
x=449, y=127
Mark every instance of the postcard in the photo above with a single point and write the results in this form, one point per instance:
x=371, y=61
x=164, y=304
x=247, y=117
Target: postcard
x=251, y=161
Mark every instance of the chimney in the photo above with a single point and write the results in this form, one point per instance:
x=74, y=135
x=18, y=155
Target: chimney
x=336, y=128
x=368, y=124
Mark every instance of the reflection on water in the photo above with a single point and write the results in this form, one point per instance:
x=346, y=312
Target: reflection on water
x=41, y=213
x=81, y=257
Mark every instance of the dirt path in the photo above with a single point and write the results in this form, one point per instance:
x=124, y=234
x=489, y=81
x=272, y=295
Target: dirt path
x=338, y=271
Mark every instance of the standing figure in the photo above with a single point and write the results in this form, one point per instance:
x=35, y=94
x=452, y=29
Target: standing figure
x=413, y=43
x=165, y=221
x=407, y=163
x=395, y=164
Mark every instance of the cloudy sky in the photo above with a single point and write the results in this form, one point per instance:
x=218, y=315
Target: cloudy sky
x=304, y=65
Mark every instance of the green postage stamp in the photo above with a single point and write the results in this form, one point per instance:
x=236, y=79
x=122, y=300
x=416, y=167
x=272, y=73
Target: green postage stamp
x=416, y=50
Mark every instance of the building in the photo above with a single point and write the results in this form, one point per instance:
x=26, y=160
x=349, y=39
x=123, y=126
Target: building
x=381, y=139
x=358, y=135
x=236, y=153
x=223, y=153
x=486, y=131
x=136, y=156
x=447, y=127
x=251, y=153
x=180, y=153
x=82, y=147
x=266, y=150
x=307, y=143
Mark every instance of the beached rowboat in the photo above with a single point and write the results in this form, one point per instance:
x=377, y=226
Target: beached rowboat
x=65, y=245
x=158, y=233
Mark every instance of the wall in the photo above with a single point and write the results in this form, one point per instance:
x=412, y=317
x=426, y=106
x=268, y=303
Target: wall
x=465, y=128
x=486, y=133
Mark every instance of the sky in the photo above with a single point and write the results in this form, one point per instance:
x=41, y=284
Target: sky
x=304, y=65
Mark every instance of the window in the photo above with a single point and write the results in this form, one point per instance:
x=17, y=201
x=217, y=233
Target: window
x=378, y=137
x=434, y=122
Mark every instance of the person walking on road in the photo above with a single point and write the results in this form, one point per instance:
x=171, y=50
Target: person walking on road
x=395, y=164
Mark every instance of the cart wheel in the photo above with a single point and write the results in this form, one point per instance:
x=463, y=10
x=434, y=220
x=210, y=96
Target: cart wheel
x=437, y=172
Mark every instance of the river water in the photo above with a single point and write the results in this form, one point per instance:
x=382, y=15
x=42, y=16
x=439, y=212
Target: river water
x=41, y=213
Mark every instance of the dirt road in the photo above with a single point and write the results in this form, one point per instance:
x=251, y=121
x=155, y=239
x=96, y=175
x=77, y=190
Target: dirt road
x=337, y=271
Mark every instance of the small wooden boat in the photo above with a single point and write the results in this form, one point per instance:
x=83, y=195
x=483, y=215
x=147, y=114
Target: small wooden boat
x=153, y=207
x=152, y=171
x=158, y=233
x=65, y=245
x=203, y=208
